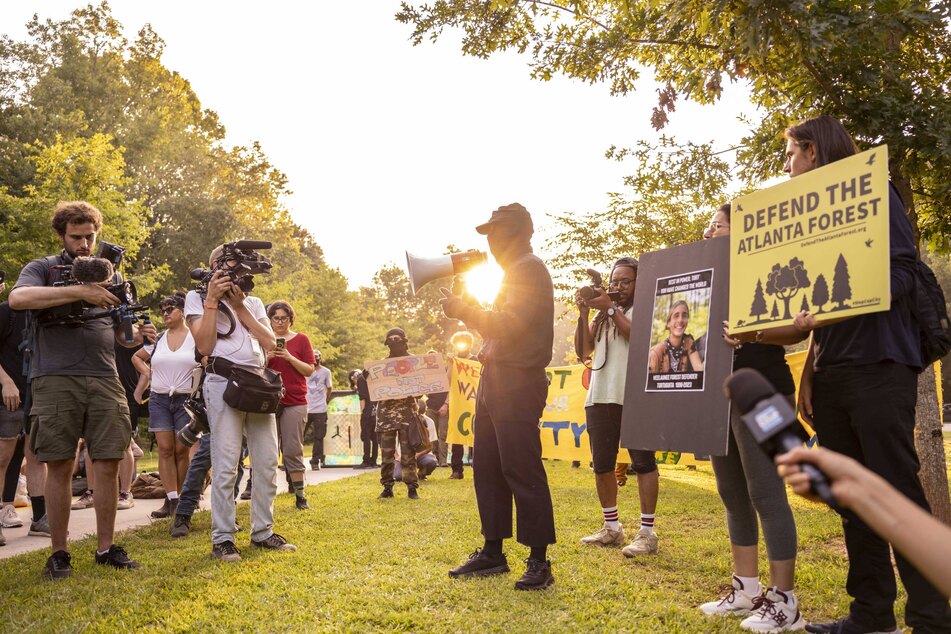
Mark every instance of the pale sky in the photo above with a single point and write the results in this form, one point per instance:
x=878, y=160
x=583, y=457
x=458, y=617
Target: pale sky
x=390, y=147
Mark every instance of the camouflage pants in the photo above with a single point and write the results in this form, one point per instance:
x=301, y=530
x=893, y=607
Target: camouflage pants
x=407, y=457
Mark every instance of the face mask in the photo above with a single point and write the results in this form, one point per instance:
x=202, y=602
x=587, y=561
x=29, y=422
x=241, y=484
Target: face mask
x=398, y=348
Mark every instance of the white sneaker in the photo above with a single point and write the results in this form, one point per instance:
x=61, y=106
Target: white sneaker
x=737, y=602
x=772, y=613
x=9, y=517
x=606, y=537
x=124, y=502
x=83, y=502
x=644, y=543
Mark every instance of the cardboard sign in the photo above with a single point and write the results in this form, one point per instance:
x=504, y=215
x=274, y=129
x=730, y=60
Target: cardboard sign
x=413, y=375
x=673, y=398
x=817, y=242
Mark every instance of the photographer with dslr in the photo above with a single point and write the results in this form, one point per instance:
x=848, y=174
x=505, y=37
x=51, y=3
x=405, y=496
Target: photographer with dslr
x=606, y=337
x=232, y=329
x=75, y=388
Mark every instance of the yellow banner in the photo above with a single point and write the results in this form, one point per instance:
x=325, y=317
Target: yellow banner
x=563, y=428
x=817, y=242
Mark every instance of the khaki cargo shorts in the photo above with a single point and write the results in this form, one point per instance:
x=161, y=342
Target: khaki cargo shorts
x=67, y=408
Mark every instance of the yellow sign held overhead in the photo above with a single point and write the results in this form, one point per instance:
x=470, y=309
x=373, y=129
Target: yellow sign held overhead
x=817, y=242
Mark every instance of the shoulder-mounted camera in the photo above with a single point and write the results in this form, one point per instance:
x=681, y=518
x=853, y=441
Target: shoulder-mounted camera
x=240, y=261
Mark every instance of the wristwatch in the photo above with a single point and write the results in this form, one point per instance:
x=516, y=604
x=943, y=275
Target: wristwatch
x=611, y=311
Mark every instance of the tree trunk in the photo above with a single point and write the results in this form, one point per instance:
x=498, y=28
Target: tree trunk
x=929, y=441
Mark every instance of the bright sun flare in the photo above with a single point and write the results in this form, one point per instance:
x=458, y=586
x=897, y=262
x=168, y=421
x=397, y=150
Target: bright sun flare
x=483, y=282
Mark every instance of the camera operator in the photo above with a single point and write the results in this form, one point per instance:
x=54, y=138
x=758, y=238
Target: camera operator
x=607, y=338
x=227, y=308
x=76, y=390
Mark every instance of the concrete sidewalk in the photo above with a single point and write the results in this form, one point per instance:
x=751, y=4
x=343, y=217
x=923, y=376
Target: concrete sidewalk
x=83, y=522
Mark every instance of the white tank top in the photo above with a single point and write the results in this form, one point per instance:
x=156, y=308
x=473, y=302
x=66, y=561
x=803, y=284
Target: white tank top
x=172, y=371
x=610, y=355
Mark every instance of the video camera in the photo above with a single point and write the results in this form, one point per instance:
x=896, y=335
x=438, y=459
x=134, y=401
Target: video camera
x=240, y=262
x=588, y=293
x=198, y=420
x=97, y=270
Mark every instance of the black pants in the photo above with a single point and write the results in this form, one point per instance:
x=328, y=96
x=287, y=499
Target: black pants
x=508, y=456
x=456, y=454
x=867, y=412
x=371, y=443
x=319, y=422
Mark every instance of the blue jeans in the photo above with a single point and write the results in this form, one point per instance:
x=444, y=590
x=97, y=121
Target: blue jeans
x=195, y=478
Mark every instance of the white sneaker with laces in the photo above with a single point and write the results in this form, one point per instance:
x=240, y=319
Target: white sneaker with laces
x=644, y=543
x=737, y=602
x=606, y=537
x=84, y=502
x=9, y=517
x=124, y=502
x=773, y=613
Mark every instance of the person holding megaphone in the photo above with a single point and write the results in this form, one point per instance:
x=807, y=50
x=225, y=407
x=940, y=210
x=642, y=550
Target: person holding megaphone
x=518, y=333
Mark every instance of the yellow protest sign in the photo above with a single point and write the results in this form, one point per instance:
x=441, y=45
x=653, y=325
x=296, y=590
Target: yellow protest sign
x=563, y=425
x=817, y=242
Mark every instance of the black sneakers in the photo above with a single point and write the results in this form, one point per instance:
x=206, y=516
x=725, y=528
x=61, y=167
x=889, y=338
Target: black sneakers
x=537, y=576
x=226, y=551
x=413, y=495
x=301, y=504
x=58, y=566
x=181, y=526
x=274, y=542
x=386, y=493
x=481, y=564
x=117, y=558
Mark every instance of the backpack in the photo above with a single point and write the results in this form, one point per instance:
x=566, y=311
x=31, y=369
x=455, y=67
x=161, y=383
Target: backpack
x=931, y=312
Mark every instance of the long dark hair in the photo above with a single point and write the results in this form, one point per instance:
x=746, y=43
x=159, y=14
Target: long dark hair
x=826, y=135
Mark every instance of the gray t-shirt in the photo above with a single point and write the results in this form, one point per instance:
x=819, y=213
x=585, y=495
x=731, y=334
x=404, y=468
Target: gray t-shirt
x=83, y=349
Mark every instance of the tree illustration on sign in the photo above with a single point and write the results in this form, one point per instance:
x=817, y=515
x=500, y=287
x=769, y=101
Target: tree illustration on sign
x=820, y=292
x=786, y=281
x=759, y=301
x=804, y=306
x=841, y=289
x=775, y=313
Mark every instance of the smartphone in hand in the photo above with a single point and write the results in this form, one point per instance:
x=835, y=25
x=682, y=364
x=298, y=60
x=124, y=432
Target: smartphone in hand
x=280, y=342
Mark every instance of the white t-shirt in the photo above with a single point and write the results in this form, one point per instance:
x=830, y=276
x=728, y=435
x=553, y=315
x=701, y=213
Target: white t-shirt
x=317, y=385
x=431, y=426
x=241, y=347
x=172, y=371
x=607, y=384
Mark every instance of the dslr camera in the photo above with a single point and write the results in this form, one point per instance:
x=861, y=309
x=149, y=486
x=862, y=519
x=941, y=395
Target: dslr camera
x=240, y=262
x=198, y=420
x=589, y=292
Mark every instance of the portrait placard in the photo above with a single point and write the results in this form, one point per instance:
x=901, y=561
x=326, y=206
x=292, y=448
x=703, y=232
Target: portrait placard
x=817, y=242
x=413, y=375
x=678, y=361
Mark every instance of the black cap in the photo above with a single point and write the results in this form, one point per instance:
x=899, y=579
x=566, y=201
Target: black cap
x=514, y=215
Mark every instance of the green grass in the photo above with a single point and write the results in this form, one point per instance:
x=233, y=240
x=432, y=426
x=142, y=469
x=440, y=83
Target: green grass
x=380, y=565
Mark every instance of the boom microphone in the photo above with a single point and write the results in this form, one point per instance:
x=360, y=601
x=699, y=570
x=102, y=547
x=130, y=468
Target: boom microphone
x=251, y=245
x=90, y=270
x=772, y=422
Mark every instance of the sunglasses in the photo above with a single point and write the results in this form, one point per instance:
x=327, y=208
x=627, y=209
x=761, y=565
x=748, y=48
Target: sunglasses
x=168, y=310
x=281, y=319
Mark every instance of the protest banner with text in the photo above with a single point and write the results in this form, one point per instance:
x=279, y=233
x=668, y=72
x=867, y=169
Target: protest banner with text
x=817, y=242
x=413, y=375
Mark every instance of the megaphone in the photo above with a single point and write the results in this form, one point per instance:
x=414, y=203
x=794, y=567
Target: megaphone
x=425, y=270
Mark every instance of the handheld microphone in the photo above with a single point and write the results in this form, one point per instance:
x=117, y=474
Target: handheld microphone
x=251, y=245
x=89, y=270
x=772, y=422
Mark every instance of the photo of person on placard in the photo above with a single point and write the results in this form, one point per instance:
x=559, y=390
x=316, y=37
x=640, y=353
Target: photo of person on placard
x=678, y=341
